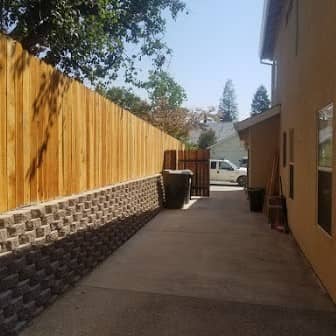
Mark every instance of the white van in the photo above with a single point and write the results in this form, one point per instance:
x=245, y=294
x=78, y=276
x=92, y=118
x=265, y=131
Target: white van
x=226, y=171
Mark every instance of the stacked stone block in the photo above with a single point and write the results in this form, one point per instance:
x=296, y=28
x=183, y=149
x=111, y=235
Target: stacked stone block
x=46, y=248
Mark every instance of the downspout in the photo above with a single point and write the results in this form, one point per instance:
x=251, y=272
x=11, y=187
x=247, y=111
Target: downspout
x=269, y=63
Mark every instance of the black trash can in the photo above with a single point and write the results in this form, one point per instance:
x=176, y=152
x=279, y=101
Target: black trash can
x=177, y=184
x=189, y=174
x=256, y=197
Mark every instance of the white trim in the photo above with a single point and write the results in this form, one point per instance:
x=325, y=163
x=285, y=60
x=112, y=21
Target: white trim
x=247, y=123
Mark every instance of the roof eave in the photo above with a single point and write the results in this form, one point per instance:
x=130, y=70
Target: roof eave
x=244, y=125
x=270, y=23
x=264, y=30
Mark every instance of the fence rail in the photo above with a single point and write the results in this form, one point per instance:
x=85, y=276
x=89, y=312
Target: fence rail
x=59, y=138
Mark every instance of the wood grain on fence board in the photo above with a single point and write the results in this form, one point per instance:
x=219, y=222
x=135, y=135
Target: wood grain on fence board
x=59, y=138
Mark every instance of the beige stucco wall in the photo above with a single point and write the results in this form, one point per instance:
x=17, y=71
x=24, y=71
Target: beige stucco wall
x=262, y=143
x=263, y=146
x=307, y=83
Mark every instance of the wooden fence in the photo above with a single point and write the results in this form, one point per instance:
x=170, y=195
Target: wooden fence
x=198, y=162
x=59, y=138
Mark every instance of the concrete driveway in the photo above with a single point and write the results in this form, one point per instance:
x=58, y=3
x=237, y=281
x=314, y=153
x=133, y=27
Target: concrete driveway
x=211, y=269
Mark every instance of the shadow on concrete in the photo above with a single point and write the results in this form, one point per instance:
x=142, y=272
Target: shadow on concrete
x=32, y=278
x=214, y=270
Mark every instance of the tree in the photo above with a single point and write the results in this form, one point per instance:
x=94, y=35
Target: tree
x=228, y=109
x=190, y=146
x=261, y=102
x=172, y=120
x=128, y=100
x=164, y=109
x=88, y=39
x=161, y=86
x=166, y=98
x=207, y=139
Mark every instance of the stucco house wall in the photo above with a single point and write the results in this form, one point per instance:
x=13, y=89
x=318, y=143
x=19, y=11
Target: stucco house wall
x=304, y=83
x=263, y=145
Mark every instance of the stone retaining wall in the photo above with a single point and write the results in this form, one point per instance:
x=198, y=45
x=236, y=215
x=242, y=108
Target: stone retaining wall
x=46, y=248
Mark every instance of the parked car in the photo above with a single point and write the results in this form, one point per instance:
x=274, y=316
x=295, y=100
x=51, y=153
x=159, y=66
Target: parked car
x=226, y=171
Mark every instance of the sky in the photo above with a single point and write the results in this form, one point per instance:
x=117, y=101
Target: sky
x=218, y=40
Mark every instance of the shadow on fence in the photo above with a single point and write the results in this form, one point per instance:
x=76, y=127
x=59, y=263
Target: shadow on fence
x=170, y=159
x=57, y=137
x=51, y=94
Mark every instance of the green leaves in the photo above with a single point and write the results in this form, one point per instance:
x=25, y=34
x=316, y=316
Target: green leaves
x=87, y=39
x=261, y=102
x=128, y=100
x=166, y=98
x=162, y=87
x=228, y=108
x=207, y=139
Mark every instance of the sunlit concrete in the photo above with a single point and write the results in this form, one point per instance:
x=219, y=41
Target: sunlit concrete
x=210, y=269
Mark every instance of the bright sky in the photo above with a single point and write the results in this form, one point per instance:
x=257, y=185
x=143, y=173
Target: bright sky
x=219, y=39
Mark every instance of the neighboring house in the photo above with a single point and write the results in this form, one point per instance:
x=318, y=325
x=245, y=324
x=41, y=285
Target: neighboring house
x=221, y=129
x=298, y=40
x=228, y=148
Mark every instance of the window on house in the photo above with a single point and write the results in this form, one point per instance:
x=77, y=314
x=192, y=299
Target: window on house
x=284, y=149
x=324, y=167
x=291, y=181
x=291, y=145
x=291, y=163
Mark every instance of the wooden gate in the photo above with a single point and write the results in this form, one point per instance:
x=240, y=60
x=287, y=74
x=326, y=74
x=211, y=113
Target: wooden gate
x=198, y=162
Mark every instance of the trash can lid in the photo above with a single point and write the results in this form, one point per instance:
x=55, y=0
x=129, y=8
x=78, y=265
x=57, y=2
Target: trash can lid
x=178, y=172
x=187, y=172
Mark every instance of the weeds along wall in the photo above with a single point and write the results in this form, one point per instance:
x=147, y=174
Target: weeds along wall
x=59, y=138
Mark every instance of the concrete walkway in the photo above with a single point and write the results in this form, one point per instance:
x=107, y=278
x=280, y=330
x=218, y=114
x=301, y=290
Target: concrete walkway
x=214, y=269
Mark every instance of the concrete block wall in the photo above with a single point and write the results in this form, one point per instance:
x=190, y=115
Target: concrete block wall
x=47, y=248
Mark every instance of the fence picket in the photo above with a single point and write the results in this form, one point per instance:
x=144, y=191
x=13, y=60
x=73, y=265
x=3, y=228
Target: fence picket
x=59, y=138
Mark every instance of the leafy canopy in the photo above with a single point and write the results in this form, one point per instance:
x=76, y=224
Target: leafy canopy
x=161, y=87
x=164, y=108
x=261, y=102
x=228, y=108
x=207, y=139
x=89, y=39
x=126, y=99
x=166, y=98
